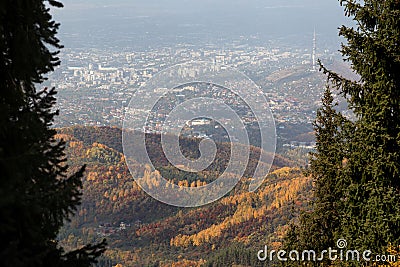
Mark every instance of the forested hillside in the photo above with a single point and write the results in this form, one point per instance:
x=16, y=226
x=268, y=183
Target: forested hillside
x=137, y=227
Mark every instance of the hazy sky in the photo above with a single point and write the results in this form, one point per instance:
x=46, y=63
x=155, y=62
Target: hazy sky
x=204, y=18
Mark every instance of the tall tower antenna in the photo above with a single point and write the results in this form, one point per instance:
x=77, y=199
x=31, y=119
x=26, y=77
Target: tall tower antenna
x=314, y=52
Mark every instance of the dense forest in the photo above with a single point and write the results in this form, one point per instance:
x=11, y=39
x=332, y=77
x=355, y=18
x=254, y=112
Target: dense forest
x=137, y=226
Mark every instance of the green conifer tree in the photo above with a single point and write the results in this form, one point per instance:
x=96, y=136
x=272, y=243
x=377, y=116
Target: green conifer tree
x=357, y=163
x=36, y=195
x=318, y=228
x=371, y=211
x=320, y=225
